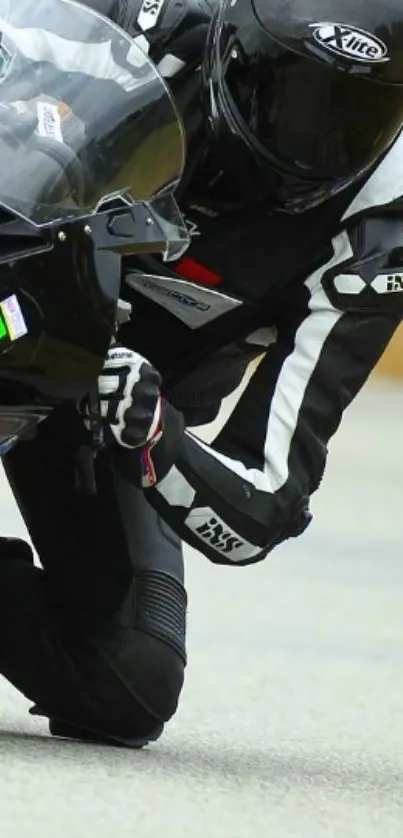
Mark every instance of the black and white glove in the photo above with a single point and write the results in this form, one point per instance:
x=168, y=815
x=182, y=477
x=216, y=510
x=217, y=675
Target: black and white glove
x=137, y=418
x=130, y=399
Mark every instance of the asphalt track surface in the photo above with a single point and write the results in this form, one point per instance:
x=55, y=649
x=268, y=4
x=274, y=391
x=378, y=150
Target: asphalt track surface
x=291, y=721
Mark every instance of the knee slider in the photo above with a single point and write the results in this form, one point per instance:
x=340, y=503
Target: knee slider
x=161, y=609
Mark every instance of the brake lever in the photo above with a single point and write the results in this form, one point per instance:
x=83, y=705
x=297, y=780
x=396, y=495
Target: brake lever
x=86, y=454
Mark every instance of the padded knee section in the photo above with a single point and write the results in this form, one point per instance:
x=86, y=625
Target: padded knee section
x=161, y=621
x=161, y=609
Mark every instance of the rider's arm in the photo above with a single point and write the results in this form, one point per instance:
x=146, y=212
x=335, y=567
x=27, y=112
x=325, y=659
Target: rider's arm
x=236, y=500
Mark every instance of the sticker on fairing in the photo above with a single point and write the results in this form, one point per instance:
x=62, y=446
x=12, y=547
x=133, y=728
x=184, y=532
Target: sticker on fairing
x=14, y=318
x=3, y=329
x=49, y=121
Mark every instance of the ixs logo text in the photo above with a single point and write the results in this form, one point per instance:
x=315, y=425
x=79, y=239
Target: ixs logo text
x=388, y=283
x=211, y=529
x=395, y=283
x=350, y=42
x=223, y=540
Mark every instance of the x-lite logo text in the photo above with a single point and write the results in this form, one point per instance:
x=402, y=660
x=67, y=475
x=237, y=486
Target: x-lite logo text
x=350, y=42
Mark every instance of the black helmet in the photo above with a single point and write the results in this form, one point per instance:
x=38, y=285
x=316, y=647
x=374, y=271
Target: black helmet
x=306, y=94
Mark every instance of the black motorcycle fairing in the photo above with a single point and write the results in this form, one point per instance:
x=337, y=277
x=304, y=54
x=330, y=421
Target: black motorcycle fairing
x=69, y=311
x=91, y=149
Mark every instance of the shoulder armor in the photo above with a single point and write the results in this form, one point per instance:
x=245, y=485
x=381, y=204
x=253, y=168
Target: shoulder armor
x=371, y=280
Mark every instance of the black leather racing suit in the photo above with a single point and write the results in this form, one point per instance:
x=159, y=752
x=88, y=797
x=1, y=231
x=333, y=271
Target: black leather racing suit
x=97, y=637
x=318, y=295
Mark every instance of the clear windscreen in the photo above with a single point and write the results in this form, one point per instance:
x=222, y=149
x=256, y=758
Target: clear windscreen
x=84, y=113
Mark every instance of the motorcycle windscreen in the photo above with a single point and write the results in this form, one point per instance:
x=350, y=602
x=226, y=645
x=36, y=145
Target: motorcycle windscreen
x=84, y=113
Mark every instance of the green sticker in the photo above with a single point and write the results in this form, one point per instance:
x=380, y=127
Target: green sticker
x=3, y=329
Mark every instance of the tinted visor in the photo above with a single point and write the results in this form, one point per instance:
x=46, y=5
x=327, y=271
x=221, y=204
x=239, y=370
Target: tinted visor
x=84, y=113
x=310, y=119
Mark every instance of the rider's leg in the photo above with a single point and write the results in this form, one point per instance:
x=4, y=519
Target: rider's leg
x=96, y=638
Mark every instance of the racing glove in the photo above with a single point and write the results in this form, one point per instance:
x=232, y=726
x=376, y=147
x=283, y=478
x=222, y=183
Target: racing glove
x=137, y=417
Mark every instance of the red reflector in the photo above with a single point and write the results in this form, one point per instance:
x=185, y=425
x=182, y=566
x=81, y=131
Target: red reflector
x=190, y=269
